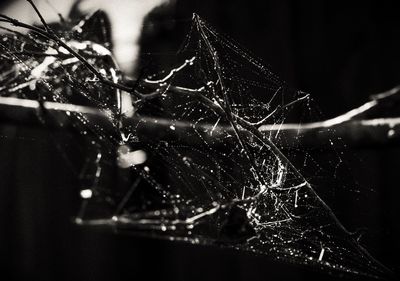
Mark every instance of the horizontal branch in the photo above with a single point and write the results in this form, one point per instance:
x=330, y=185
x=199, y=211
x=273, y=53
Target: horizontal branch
x=354, y=133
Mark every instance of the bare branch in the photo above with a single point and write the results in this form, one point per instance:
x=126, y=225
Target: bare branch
x=378, y=132
x=48, y=29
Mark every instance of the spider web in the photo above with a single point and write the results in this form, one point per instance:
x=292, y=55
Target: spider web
x=192, y=164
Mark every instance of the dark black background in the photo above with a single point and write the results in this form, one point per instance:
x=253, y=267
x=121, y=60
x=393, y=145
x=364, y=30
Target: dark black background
x=340, y=52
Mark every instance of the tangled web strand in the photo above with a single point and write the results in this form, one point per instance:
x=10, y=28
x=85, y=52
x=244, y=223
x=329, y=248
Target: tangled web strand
x=193, y=165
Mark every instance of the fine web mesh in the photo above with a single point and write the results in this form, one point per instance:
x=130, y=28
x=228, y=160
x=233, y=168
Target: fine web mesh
x=187, y=161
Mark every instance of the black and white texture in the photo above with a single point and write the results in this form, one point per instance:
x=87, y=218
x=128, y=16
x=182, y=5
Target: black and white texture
x=208, y=147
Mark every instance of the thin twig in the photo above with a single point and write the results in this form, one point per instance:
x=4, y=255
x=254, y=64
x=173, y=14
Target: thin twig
x=53, y=37
x=48, y=29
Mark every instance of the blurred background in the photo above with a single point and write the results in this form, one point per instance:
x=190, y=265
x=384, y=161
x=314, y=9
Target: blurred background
x=339, y=52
